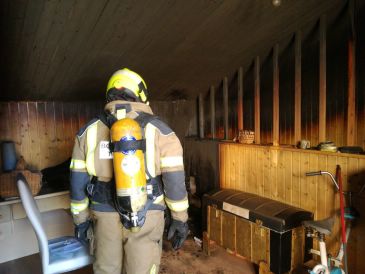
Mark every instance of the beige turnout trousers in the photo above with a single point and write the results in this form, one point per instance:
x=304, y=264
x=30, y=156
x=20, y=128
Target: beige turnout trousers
x=116, y=249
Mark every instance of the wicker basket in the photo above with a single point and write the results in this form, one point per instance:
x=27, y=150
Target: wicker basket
x=8, y=186
x=246, y=137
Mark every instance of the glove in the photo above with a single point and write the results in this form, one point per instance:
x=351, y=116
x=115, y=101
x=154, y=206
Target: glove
x=81, y=232
x=178, y=232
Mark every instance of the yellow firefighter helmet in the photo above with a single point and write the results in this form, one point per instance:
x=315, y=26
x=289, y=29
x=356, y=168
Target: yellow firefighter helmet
x=128, y=84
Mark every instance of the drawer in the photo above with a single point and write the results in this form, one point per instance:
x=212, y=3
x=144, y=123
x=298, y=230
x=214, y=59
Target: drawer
x=5, y=214
x=5, y=230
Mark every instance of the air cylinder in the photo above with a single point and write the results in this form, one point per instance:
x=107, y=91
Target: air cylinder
x=129, y=168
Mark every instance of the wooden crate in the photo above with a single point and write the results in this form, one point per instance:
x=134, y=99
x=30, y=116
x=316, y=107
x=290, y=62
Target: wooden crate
x=8, y=187
x=246, y=233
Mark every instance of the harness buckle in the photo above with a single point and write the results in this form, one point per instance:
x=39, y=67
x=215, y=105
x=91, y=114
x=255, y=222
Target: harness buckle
x=90, y=189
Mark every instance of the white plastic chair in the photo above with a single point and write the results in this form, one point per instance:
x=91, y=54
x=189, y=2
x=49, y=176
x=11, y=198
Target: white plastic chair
x=58, y=255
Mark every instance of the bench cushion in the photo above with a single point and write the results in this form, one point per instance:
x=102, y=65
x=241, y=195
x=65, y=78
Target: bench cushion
x=271, y=214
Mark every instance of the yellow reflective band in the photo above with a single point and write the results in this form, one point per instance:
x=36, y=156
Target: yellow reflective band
x=177, y=206
x=76, y=208
x=77, y=164
x=172, y=161
x=150, y=149
x=159, y=199
x=143, y=97
x=91, y=146
x=133, y=75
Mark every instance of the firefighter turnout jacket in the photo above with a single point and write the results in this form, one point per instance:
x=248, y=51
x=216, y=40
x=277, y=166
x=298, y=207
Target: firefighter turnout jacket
x=92, y=161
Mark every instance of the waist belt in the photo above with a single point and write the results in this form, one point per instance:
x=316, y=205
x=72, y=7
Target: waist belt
x=104, y=192
x=101, y=192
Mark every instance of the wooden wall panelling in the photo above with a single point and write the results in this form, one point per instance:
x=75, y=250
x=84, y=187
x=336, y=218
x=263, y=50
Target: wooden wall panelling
x=34, y=157
x=4, y=124
x=42, y=134
x=274, y=159
x=222, y=165
x=70, y=125
x=280, y=176
x=63, y=124
x=260, y=172
x=24, y=132
x=288, y=176
x=296, y=179
x=14, y=130
x=311, y=183
x=234, y=168
x=241, y=170
x=52, y=152
x=304, y=189
x=267, y=175
x=321, y=189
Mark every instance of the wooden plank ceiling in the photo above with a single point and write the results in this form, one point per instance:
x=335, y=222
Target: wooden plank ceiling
x=66, y=50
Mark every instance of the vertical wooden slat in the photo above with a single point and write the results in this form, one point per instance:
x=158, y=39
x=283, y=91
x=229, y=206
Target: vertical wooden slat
x=296, y=179
x=275, y=121
x=212, y=111
x=312, y=182
x=322, y=79
x=274, y=160
x=260, y=171
x=351, y=103
x=244, y=238
x=14, y=111
x=304, y=193
x=257, y=100
x=42, y=134
x=288, y=171
x=24, y=131
x=280, y=181
x=225, y=107
x=201, y=116
x=322, y=181
x=240, y=99
x=51, y=149
x=228, y=231
x=33, y=136
x=267, y=175
x=298, y=88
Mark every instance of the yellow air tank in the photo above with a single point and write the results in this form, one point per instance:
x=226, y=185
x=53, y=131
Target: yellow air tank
x=129, y=169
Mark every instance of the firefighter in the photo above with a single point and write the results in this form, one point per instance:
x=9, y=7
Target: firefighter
x=115, y=245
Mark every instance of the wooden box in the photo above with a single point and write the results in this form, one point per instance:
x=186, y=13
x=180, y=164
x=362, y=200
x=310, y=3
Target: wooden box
x=8, y=187
x=257, y=228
